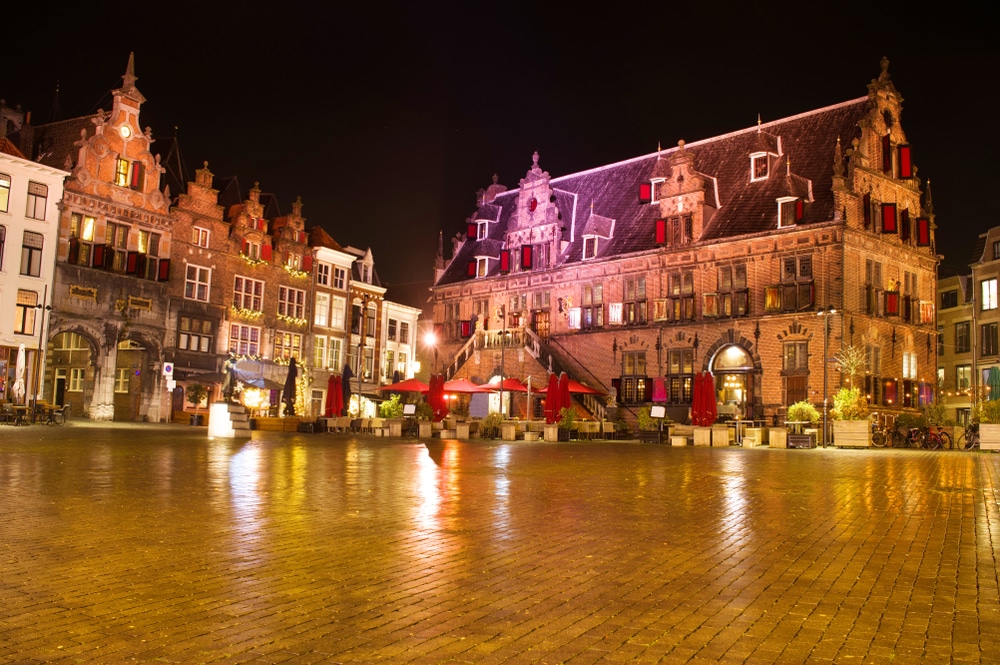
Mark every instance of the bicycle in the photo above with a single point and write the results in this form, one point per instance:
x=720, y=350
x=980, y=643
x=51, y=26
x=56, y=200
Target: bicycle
x=969, y=439
x=935, y=438
x=881, y=435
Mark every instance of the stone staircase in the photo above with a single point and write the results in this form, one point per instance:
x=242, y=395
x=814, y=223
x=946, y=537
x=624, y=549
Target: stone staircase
x=229, y=420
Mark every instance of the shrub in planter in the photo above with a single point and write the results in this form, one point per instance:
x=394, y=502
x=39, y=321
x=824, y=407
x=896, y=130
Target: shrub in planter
x=489, y=428
x=849, y=404
x=391, y=408
x=803, y=411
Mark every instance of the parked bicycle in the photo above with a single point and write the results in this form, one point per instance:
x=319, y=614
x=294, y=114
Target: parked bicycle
x=935, y=438
x=881, y=434
x=969, y=439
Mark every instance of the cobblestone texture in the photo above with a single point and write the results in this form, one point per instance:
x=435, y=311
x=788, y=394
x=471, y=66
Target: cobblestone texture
x=155, y=544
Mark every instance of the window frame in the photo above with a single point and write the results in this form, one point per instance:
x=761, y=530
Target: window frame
x=37, y=202
x=31, y=255
x=193, y=286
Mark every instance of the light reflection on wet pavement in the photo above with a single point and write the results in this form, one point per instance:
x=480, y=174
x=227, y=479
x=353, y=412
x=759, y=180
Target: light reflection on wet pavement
x=157, y=544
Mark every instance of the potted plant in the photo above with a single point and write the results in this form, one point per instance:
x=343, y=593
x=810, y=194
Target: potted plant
x=489, y=428
x=800, y=414
x=196, y=394
x=850, y=419
x=989, y=424
x=567, y=423
x=649, y=427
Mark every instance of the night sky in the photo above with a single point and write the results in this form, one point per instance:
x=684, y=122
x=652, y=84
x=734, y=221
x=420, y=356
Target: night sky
x=387, y=117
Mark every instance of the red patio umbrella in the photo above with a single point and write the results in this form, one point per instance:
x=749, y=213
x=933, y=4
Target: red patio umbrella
x=331, y=397
x=408, y=386
x=696, y=400
x=464, y=386
x=564, y=401
x=712, y=408
x=552, y=400
x=338, y=397
x=510, y=384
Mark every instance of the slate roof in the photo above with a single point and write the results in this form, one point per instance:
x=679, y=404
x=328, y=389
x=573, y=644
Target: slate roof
x=804, y=169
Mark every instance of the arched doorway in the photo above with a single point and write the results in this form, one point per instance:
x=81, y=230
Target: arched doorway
x=733, y=369
x=71, y=362
x=131, y=362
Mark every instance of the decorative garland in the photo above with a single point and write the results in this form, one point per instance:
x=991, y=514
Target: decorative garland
x=292, y=320
x=247, y=313
x=252, y=261
x=295, y=272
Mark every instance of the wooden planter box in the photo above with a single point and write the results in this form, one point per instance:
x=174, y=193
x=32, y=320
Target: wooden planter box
x=989, y=436
x=550, y=432
x=852, y=433
x=777, y=437
x=424, y=429
x=720, y=437
x=703, y=436
x=649, y=436
x=801, y=440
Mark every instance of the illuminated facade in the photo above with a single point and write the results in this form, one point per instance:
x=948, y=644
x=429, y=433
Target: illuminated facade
x=714, y=255
x=113, y=261
x=955, y=344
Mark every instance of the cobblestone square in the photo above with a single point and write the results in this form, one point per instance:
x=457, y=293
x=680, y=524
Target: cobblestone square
x=155, y=544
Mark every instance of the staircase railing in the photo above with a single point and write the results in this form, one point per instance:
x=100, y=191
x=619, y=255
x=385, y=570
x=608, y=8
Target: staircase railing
x=543, y=352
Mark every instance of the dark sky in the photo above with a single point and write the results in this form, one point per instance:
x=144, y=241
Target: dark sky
x=387, y=117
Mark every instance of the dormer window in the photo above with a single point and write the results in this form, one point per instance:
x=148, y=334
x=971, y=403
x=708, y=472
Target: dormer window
x=589, y=247
x=790, y=211
x=482, y=230
x=479, y=267
x=657, y=189
x=759, y=162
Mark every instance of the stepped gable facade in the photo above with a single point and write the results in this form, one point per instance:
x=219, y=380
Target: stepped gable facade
x=712, y=255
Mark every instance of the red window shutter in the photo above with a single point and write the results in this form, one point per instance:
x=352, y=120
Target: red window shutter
x=866, y=210
x=132, y=263
x=923, y=232
x=660, y=232
x=472, y=232
x=504, y=262
x=141, y=262
x=265, y=252
x=904, y=224
x=472, y=268
x=905, y=162
x=526, y=257
x=74, y=251
x=97, y=259
x=163, y=270
x=886, y=154
x=889, y=223
x=617, y=385
x=799, y=210
x=243, y=248
x=647, y=395
x=645, y=192
x=307, y=262
x=466, y=329
x=891, y=303
x=135, y=177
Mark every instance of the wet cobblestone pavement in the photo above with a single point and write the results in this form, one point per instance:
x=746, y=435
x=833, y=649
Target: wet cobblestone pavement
x=154, y=544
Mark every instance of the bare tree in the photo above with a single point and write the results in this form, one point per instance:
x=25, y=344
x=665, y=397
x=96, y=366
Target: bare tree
x=852, y=362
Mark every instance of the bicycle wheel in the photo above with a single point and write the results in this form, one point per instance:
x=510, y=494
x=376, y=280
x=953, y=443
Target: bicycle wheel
x=931, y=441
x=878, y=439
x=897, y=439
x=945, y=440
x=971, y=440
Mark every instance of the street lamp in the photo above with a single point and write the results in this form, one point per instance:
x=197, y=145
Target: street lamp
x=826, y=313
x=430, y=341
x=38, y=354
x=502, y=313
x=365, y=299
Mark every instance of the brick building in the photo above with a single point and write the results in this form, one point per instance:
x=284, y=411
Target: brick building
x=113, y=260
x=955, y=344
x=713, y=255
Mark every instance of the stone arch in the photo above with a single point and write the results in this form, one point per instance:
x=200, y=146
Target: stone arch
x=728, y=338
x=749, y=371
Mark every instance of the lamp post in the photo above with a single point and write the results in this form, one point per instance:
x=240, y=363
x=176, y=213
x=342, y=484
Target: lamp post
x=430, y=341
x=42, y=308
x=502, y=313
x=365, y=299
x=826, y=313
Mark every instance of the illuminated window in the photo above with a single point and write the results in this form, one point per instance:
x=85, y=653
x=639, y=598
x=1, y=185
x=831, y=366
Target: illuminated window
x=758, y=166
x=988, y=288
x=680, y=375
x=194, y=334
x=116, y=237
x=910, y=362
x=196, y=282
x=635, y=385
x=390, y=362
x=963, y=377
x=248, y=294
x=244, y=340
x=121, y=172
x=200, y=237
x=339, y=278
x=635, y=301
x=573, y=318
x=989, y=339
x=76, y=377
x=319, y=352
x=681, y=296
x=592, y=306
x=333, y=357
x=291, y=302
x=24, y=312
x=4, y=192
x=321, y=311
x=122, y=375
x=287, y=345
x=38, y=195
x=323, y=274
x=338, y=311
x=31, y=254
